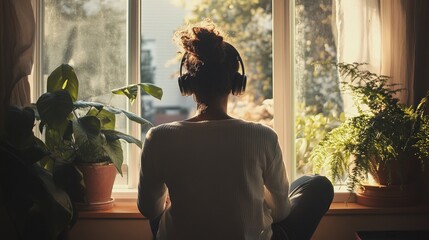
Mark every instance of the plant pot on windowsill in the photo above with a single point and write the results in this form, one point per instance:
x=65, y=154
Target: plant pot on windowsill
x=81, y=132
x=387, y=195
x=385, y=139
x=396, y=185
x=98, y=179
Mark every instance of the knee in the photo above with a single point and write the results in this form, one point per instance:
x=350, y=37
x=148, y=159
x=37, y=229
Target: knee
x=323, y=185
x=316, y=185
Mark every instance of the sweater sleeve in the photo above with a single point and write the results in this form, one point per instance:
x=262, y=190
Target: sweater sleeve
x=152, y=191
x=276, y=189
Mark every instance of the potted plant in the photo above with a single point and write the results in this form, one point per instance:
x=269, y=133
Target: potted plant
x=35, y=207
x=83, y=138
x=386, y=140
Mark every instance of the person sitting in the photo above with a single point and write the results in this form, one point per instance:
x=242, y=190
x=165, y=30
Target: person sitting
x=213, y=176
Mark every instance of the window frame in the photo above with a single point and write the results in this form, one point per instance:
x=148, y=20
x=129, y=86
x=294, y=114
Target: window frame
x=284, y=88
x=283, y=84
x=283, y=93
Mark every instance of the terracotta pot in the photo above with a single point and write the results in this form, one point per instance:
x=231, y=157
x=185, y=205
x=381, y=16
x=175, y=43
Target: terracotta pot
x=407, y=172
x=401, y=188
x=388, y=196
x=98, y=179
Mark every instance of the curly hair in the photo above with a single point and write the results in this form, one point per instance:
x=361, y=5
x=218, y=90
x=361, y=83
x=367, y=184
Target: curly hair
x=209, y=59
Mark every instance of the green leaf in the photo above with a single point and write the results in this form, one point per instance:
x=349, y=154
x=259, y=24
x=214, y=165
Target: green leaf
x=54, y=108
x=112, y=135
x=113, y=110
x=136, y=118
x=80, y=132
x=19, y=127
x=114, y=151
x=107, y=118
x=64, y=78
x=59, y=147
x=68, y=177
x=85, y=104
x=129, y=115
x=89, y=145
x=131, y=90
x=55, y=204
x=90, y=124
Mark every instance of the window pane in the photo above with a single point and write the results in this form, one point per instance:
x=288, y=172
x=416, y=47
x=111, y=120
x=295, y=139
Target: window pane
x=92, y=37
x=248, y=25
x=319, y=104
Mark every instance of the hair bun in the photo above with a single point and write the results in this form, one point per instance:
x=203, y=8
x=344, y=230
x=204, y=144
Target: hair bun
x=203, y=41
x=208, y=45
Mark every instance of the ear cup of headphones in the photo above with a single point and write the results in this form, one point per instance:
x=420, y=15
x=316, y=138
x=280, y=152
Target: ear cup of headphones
x=184, y=82
x=239, y=84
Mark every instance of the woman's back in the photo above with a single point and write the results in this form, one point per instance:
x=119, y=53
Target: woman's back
x=215, y=172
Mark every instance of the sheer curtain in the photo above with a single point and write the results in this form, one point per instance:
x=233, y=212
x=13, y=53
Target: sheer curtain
x=357, y=27
x=382, y=34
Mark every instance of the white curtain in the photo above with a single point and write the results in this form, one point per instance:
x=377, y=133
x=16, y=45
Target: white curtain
x=358, y=38
x=380, y=33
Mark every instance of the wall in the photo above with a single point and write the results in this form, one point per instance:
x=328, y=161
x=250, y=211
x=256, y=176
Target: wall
x=343, y=227
x=111, y=229
x=332, y=226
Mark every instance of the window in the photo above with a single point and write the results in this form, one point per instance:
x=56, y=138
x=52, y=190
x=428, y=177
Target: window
x=318, y=102
x=114, y=43
x=95, y=38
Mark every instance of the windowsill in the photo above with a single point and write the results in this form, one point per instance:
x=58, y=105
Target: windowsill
x=341, y=208
x=122, y=209
x=127, y=209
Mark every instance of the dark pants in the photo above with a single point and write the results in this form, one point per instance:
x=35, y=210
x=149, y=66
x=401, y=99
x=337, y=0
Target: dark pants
x=310, y=198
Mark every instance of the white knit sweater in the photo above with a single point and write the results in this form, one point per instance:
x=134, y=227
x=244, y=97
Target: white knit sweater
x=226, y=180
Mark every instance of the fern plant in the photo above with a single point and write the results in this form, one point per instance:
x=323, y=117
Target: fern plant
x=384, y=138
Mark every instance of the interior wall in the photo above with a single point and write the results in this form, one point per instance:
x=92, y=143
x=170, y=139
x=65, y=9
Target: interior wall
x=344, y=227
x=110, y=229
x=332, y=227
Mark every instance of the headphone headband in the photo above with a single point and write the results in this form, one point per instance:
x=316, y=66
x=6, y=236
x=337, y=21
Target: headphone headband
x=237, y=55
x=239, y=85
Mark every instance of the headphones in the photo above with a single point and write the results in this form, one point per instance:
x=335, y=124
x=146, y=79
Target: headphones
x=238, y=82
